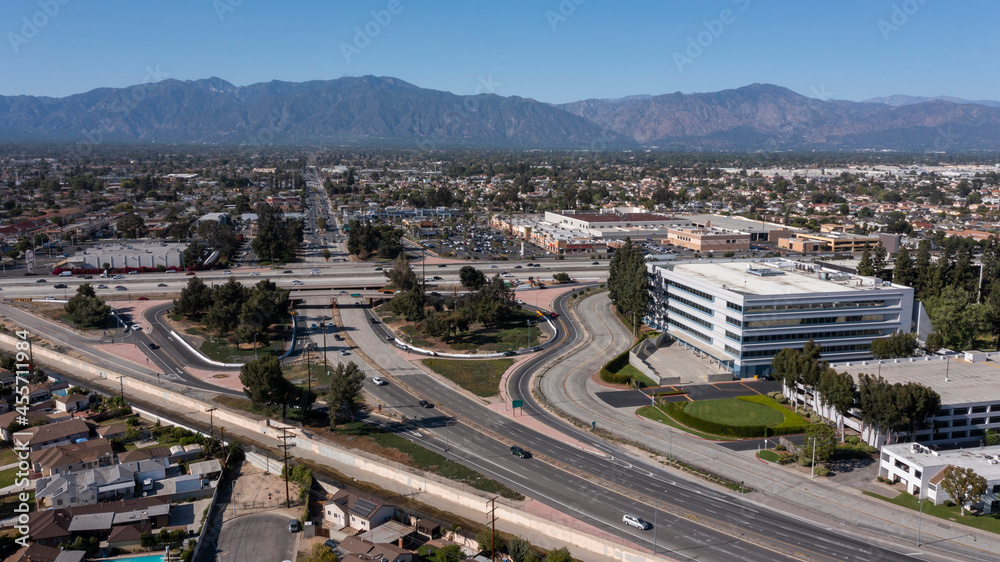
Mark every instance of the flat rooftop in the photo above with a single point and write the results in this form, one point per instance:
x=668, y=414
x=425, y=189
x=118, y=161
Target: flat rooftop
x=974, y=458
x=733, y=275
x=967, y=382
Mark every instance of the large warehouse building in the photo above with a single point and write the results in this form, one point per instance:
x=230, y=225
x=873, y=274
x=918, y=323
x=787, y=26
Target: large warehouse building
x=742, y=313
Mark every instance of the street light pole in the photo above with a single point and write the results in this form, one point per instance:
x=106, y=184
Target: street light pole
x=255, y=346
x=920, y=518
x=323, y=324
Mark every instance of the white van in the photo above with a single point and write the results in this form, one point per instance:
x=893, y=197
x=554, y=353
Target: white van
x=66, y=274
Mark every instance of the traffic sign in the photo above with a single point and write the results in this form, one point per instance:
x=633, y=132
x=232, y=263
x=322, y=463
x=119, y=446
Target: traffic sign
x=356, y=295
x=517, y=403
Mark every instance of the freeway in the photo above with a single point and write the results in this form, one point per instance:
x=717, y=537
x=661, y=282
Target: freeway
x=599, y=488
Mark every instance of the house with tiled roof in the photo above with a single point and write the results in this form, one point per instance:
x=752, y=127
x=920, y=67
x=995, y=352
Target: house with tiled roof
x=355, y=548
x=53, y=434
x=37, y=552
x=348, y=509
x=73, y=457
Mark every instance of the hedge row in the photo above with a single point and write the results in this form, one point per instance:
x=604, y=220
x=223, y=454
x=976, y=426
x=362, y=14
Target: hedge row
x=609, y=372
x=676, y=411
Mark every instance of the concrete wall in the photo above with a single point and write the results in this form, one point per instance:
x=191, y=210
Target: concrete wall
x=376, y=467
x=638, y=354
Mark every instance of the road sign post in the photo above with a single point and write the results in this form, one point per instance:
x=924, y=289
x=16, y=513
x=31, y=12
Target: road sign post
x=515, y=404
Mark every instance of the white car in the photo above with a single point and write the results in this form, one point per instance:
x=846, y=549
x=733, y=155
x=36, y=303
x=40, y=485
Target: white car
x=227, y=272
x=379, y=381
x=254, y=274
x=635, y=521
x=296, y=282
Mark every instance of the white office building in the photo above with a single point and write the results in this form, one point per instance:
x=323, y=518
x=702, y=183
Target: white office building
x=921, y=469
x=741, y=313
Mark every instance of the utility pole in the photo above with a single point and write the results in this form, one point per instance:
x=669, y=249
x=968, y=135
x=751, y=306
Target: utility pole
x=308, y=364
x=323, y=324
x=813, y=475
x=211, y=433
x=121, y=385
x=284, y=447
x=493, y=523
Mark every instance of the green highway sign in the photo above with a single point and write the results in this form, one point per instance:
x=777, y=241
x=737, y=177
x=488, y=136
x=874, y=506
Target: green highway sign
x=356, y=295
x=517, y=403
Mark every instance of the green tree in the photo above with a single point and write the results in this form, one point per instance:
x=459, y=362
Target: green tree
x=321, y=223
x=486, y=543
x=264, y=383
x=220, y=237
x=130, y=225
x=449, y=553
x=322, y=553
x=992, y=438
x=326, y=254
x=963, y=485
x=561, y=277
x=193, y=253
x=401, y=276
x=922, y=270
x=147, y=540
x=559, y=555
x=825, y=440
x=277, y=237
x=865, y=266
x=836, y=391
x=409, y=304
x=876, y=404
x=471, y=277
x=195, y=299
x=86, y=309
x=346, y=382
x=902, y=271
x=899, y=344
x=879, y=257
x=955, y=316
x=627, y=285
x=227, y=302
x=518, y=549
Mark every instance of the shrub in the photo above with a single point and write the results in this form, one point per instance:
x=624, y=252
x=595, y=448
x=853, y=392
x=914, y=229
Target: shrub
x=779, y=447
x=822, y=471
x=880, y=479
x=786, y=458
x=780, y=398
x=853, y=439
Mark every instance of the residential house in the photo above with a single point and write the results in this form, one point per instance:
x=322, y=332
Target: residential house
x=210, y=469
x=113, y=431
x=50, y=527
x=73, y=457
x=72, y=403
x=85, y=487
x=53, y=434
x=147, y=453
x=347, y=509
x=355, y=548
x=37, y=552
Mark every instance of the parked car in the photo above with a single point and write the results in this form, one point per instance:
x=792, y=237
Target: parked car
x=636, y=521
x=293, y=526
x=379, y=381
x=519, y=452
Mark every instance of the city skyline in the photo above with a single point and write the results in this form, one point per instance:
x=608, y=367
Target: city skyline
x=556, y=51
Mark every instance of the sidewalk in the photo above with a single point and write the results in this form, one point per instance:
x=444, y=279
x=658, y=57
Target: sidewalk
x=821, y=500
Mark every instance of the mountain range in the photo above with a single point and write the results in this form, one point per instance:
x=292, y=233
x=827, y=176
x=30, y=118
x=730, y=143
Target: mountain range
x=384, y=111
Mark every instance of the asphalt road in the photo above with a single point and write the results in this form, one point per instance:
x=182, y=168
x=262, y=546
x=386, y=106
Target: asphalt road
x=574, y=492
x=258, y=536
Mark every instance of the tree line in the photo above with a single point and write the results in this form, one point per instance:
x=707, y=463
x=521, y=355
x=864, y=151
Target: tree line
x=365, y=240
x=889, y=408
x=248, y=312
x=627, y=283
x=277, y=237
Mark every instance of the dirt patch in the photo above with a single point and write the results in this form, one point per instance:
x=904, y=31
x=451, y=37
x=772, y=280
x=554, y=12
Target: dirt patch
x=220, y=376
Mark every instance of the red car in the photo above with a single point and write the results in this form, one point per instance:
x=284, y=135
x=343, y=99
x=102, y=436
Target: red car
x=554, y=315
x=142, y=298
x=189, y=273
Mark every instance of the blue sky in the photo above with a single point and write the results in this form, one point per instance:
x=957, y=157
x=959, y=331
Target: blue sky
x=551, y=50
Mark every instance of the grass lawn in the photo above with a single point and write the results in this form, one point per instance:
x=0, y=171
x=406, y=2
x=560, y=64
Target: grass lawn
x=428, y=460
x=221, y=351
x=7, y=456
x=948, y=510
x=7, y=477
x=657, y=414
x=10, y=503
x=731, y=411
x=480, y=377
x=769, y=456
x=297, y=374
x=632, y=372
x=512, y=335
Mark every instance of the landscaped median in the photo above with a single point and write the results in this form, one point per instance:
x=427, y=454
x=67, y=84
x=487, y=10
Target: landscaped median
x=478, y=376
x=742, y=417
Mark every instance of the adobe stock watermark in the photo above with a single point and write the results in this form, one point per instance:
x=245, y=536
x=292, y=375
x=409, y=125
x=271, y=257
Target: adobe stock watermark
x=697, y=43
x=898, y=16
x=30, y=26
x=459, y=112
x=563, y=11
x=22, y=372
x=821, y=93
x=225, y=7
x=130, y=98
x=364, y=35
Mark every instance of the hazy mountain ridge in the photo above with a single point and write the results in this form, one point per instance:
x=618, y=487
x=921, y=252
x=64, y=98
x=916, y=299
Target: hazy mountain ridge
x=384, y=111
